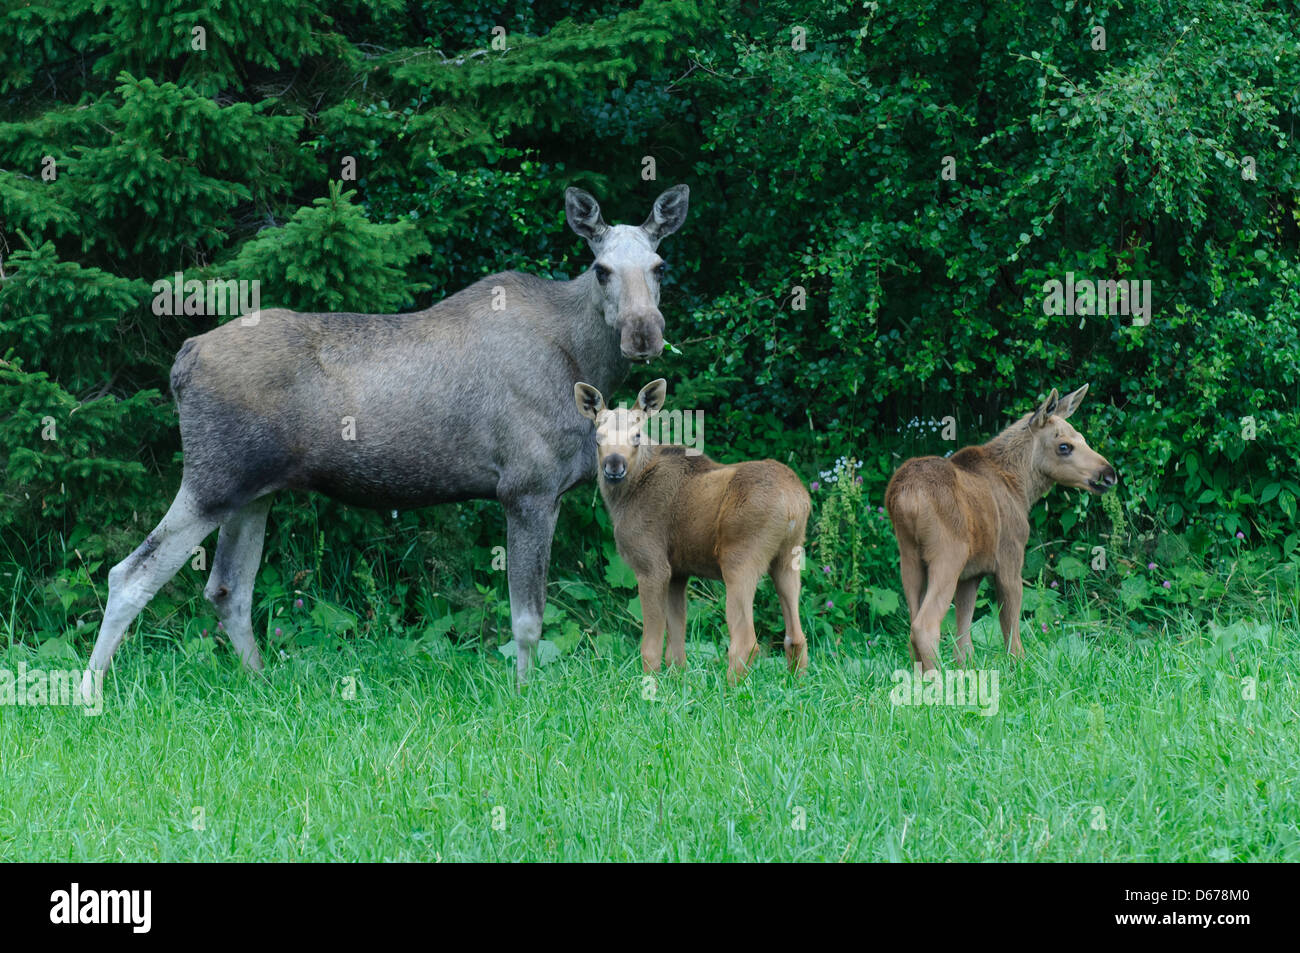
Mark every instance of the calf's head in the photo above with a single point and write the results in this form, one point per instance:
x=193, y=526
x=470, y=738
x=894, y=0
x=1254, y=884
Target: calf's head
x=621, y=446
x=1060, y=453
x=628, y=269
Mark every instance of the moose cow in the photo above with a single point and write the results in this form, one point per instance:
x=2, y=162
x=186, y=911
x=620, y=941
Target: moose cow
x=468, y=399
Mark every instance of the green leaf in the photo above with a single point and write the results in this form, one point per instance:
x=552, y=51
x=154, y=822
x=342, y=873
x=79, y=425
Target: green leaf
x=544, y=653
x=882, y=601
x=1071, y=568
x=581, y=591
x=618, y=573
x=331, y=619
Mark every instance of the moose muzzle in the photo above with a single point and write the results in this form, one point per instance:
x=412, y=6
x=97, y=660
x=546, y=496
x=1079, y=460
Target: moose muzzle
x=614, y=467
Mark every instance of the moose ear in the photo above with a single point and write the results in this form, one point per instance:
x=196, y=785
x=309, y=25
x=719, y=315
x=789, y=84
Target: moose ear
x=583, y=213
x=651, y=398
x=589, y=400
x=1044, y=411
x=668, y=213
x=1070, y=402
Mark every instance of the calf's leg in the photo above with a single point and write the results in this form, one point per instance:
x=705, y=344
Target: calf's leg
x=741, y=581
x=912, y=571
x=944, y=573
x=1010, y=592
x=653, y=589
x=785, y=579
x=675, y=610
x=965, y=603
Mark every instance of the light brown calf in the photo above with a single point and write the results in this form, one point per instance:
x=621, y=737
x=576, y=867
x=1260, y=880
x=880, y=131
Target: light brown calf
x=678, y=515
x=966, y=517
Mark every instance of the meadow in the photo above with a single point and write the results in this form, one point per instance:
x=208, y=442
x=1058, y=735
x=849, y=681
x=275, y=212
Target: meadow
x=1104, y=747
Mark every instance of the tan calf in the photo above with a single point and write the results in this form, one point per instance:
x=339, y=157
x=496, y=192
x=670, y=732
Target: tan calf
x=960, y=519
x=678, y=515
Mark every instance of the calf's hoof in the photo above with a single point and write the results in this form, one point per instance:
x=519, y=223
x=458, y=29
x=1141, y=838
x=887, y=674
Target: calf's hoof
x=797, y=656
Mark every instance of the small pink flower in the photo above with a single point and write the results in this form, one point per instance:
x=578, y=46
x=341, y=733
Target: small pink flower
x=1151, y=565
x=881, y=510
x=1053, y=583
x=826, y=569
x=297, y=603
x=859, y=480
x=1167, y=584
x=221, y=626
x=278, y=631
x=816, y=486
x=204, y=635
x=829, y=604
x=1044, y=626
x=1240, y=534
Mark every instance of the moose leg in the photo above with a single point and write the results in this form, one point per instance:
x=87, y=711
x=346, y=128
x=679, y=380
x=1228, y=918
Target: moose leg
x=741, y=583
x=1010, y=592
x=530, y=526
x=785, y=579
x=230, y=587
x=912, y=571
x=944, y=574
x=654, y=594
x=675, y=609
x=136, y=579
x=965, y=602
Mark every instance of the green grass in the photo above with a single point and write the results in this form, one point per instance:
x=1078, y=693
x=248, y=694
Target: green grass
x=1154, y=733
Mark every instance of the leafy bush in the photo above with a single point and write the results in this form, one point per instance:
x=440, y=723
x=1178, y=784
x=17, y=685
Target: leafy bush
x=879, y=195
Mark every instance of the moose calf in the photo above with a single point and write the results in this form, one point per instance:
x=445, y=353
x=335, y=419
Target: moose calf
x=966, y=517
x=678, y=515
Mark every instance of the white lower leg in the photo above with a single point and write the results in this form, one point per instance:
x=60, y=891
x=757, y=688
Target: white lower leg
x=527, y=630
x=234, y=569
x=135, y=580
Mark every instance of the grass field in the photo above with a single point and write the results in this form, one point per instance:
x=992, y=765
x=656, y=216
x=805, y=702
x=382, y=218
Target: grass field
x=1104, y=747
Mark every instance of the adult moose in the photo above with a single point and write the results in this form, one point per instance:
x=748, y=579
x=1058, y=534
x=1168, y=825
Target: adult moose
x=967, y=517
x=470, y=399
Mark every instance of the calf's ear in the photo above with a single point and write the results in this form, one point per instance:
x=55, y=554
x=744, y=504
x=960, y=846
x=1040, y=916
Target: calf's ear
x=1070, y=402
x=589, y=400
x=651, y=398
x=1045, y=410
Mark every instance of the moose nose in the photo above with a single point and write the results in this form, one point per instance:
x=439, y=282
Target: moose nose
x=643, y=337
x=615, y=467
x=1106, y=478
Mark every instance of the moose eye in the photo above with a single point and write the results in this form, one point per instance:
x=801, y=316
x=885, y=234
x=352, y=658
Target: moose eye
x=1064, y=449
x=602, y=274
x=658, y=271
x=636, y=439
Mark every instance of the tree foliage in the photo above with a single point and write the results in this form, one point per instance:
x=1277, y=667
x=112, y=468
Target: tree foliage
x=880, y=194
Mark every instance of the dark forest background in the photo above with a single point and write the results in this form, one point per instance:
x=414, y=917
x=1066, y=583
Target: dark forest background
x=813, y=136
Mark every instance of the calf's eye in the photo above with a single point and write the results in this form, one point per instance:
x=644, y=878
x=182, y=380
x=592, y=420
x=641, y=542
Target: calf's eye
x=1064, y=449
